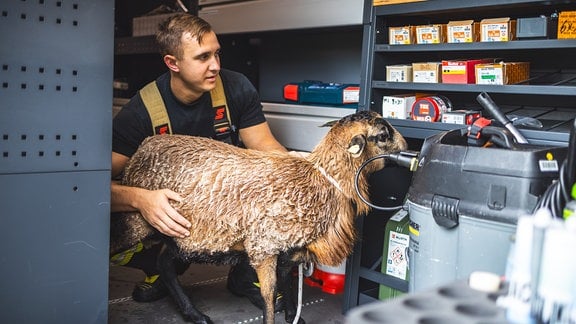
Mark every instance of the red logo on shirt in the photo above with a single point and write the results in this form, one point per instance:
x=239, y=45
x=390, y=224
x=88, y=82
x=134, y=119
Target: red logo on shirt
x=220, y=113
x=162, y=129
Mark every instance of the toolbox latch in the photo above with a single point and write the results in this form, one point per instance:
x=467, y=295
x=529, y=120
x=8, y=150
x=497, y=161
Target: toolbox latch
x=497, y=197
x=445, y=211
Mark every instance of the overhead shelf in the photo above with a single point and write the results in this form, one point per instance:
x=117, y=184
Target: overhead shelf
x=274, y=15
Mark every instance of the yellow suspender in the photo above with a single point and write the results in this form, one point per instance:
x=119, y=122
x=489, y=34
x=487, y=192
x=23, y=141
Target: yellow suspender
x=159, y=116
x=156, y=109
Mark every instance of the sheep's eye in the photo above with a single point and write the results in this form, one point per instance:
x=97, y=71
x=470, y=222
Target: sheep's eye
x=383, y=137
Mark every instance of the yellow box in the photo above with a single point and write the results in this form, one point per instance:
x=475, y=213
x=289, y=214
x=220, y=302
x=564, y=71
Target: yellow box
x=399, y=73
x=502, y=73
x=462, y=31
x=567, y=25
x=428, y=72
x=431, y=34
x=401, y=35
x=497, y=29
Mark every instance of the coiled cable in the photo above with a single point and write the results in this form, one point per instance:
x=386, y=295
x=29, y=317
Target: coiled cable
x=404, y=159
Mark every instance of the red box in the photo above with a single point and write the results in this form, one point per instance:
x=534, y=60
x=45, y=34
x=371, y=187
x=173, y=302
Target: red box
x=460, y=71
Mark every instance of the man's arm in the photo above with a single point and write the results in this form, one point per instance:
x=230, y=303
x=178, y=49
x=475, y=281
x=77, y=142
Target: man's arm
x=154, y=205
x=260, y=137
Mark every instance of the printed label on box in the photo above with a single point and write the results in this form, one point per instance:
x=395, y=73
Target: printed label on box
x=496, y=29
x=425, y=76
x=351, y=95
x=460, y=34
x=397, y=255
x=398, y=107
x=454, y=69
x=428, y=35
x=490, y=75
x=400, y=35
x=567, y=25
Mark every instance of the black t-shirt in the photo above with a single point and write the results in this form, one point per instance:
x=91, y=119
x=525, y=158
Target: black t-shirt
x=132, y=124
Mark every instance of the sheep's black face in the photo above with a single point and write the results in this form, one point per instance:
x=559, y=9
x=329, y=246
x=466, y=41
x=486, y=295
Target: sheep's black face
x=387, y=138
x=374, y=136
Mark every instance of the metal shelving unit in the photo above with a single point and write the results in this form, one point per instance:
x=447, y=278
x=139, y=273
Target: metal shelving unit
x=548, y=96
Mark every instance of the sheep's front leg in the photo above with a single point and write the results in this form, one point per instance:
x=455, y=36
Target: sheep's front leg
x=167, y=269
x=285, y=287
x=266, y=272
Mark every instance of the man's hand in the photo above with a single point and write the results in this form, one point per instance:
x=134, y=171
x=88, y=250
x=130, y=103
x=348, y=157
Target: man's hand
x=156, y=209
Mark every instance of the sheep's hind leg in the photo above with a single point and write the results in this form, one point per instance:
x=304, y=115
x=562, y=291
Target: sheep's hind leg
x=266, y=272
x=168, y=274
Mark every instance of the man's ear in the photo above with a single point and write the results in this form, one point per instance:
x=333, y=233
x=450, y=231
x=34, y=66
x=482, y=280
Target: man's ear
x=172, y=63
x=357, y=145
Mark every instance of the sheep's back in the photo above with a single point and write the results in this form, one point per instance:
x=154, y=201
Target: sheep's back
x=264, y=202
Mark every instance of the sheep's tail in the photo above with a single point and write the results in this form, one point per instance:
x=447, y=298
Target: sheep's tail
x=127, y=230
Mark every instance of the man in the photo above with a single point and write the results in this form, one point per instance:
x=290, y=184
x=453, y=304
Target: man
x=190, y=50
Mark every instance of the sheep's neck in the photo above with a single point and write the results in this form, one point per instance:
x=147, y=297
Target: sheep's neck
x=329, y=178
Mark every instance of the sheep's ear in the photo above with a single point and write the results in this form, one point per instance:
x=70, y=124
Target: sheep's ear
x=329, y=123
x=357, y=145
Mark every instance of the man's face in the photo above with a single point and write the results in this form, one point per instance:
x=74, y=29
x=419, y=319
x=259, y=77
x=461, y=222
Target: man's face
x=200, y=63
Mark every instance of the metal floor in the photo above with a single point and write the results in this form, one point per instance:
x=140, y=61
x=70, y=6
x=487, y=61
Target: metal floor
x=206, y=285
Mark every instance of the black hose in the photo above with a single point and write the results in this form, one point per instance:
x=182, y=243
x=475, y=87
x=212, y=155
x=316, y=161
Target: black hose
x=357, y=177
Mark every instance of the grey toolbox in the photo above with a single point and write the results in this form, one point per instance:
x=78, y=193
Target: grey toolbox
x=464, y=202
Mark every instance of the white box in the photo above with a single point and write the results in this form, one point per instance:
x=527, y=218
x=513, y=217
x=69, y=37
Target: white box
x=427, y=72
x=399, y=73
x=398, y=106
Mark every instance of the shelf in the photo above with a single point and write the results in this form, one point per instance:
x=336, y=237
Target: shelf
x=541, y=44
x=510, y=89
x=273, y=15
x=298, y=127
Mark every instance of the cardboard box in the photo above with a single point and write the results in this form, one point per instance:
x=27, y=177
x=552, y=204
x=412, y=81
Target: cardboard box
x=460, y=71
x=428, y=72
x=497, y=29
x=462, y=31
x=148, y=25
x=567, y=25
x=431, y=34
x=502, y=73
x=398, y=106
x=399, y=73
x=389, y=2
x=402, y=35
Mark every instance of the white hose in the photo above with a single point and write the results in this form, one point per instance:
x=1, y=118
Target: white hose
x=300, y=284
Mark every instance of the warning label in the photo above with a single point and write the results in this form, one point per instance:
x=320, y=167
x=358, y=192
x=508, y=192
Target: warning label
x=397, y=256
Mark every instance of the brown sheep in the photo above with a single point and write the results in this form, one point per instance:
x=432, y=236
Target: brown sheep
x=259, y=204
